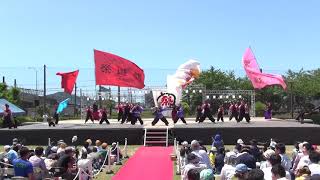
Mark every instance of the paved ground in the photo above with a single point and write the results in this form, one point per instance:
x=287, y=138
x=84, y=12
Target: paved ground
x=256, y=122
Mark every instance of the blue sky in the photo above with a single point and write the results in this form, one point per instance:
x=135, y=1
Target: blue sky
x=156, y=35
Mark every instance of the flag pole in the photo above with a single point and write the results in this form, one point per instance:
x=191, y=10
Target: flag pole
x=75, y=100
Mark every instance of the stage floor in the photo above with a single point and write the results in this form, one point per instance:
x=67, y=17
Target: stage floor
x=255, y=122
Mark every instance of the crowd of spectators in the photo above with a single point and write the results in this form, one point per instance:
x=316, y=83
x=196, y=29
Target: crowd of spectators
x=252, y=161
x=59, y=160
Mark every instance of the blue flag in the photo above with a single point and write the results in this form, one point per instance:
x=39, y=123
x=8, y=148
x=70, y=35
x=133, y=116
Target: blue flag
x=62, y=105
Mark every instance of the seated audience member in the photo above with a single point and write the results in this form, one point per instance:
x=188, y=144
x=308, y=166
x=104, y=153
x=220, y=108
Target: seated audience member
x=193, y=174
x=246, y=158
x=104, y=152
x=314, y=167
x=295, y=151
x=303, y=174
x=184, y=151
x=285, y=160
x=217, y=141
x=238, y=147
x=98, y=145
x=302, y=158
x=114, y=152
x=229, y=167
x=315, y=177
x=266, y=156
x=51, y=161
x=256, y=174
x=12, y=154
x=241, y=172
x=212, y=155
x=66, y=163
x=38, y=163
x=85, y=164
x=204, y=158
x=23, y=167
x=61, y=149
x=219, y=160
x=85, y=148
x=89, y=150
x=95, y=158
x=193, y=162
x=202, y=146
x=206, y=174
x=278, y=172
x=254, y=150
x=275, y=159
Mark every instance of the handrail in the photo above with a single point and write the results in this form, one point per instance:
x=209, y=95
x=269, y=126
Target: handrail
x=145, y=136
x=167, y=137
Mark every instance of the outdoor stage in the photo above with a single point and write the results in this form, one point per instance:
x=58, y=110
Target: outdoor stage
x=286, y=131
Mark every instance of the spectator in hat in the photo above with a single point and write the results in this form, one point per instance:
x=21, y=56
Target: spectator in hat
x=114, y=152
x=193, y=174
x=207, y=174
x=204, y=158
x=229, y=168
x=193, y=162
x=241, y=172
x=217, y=141
x=12, y=154
x=266, y=156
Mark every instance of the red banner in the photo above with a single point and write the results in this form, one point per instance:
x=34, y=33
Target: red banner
x=68, y=80
x=114, y=70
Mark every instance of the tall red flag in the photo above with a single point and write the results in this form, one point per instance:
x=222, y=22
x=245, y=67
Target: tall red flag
x=114, y=70
x=68, y=80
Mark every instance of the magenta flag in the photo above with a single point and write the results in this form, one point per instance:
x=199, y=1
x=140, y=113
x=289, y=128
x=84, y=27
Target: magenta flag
x=259, y=80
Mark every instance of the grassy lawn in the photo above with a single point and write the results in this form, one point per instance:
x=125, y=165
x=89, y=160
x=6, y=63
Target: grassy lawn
x=289, y=149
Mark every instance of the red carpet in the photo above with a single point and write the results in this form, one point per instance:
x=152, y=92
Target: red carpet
x=148, y=163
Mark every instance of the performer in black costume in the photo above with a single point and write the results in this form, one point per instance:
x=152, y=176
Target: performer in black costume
x=220, y=113
x=120, y=111
x=206, y=113
x=233, y=110
x=199, y=113
x=136, y=114
x=158, y=115
x=89, y=115
x=126, y=111
x=242, y=112
x=104, y=116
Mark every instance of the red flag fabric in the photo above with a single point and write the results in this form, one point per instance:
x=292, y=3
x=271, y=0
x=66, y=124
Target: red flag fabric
x=114, y=70
x=68, y=80
x=259, y=80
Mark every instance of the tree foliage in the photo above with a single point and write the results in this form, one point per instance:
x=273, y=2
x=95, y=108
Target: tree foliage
x=11, y=94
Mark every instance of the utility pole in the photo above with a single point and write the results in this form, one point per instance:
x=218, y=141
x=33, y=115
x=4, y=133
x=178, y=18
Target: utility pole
x=80, y=103
x=3, y=79
x=291, y=98
x=44, y=88
x=100, y=98
x=118, y=95
x=75, y=100
x=15, y=83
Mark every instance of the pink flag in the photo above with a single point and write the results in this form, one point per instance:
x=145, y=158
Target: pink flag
x=259, y=80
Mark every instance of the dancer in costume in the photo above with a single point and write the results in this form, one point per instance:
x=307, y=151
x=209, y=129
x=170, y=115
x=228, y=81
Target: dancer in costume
x=233, y=111
x=104, y=116
x=268, y=111
x=247, y=112
x=180, y=115
x=199, y=113
x=158, y=115
x=89, y=115
x=126, y=111
x=206, y=112
x=136, y=114
x=220, y=113
x=174, y=113
x=120, y=111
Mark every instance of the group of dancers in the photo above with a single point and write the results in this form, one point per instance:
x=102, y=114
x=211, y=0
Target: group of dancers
x=239, y=111
x=132, y=113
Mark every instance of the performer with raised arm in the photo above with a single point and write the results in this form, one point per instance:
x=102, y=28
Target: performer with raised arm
x=120, y=111
x=89, y=115
x=233, y=111
x=199, y=113
x=104, y=116
x=206, y=112
x=136, y=114
x=220, y=113
x=158, y=115
x=180, y=115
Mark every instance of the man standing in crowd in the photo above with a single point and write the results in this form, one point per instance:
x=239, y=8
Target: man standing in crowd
x=206, y=112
